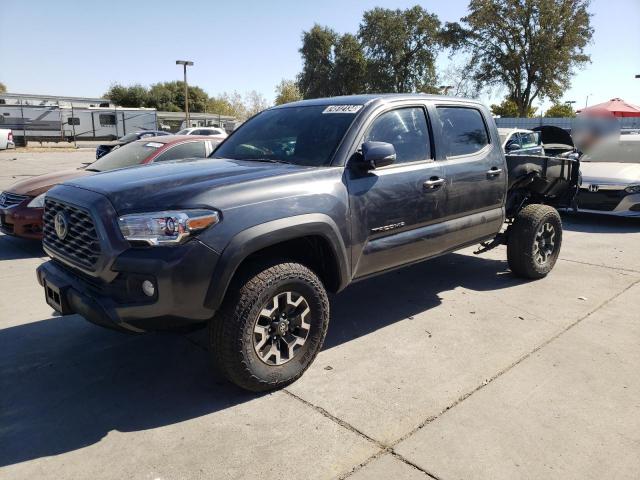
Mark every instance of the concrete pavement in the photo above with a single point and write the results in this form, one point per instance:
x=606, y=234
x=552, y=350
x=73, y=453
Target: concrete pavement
x=450, y=369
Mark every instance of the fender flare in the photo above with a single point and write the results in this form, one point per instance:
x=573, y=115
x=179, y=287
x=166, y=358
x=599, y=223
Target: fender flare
x=271, y=233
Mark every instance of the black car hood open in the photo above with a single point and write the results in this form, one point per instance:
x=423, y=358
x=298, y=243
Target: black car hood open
x=185, y=183
x=552, y=135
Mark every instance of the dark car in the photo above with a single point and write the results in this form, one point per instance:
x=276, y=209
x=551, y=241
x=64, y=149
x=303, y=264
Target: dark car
x=302, y=199
x=105, y=148
x=21, y=204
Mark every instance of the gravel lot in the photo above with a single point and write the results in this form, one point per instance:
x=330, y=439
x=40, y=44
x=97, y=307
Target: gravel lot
x=449, y=369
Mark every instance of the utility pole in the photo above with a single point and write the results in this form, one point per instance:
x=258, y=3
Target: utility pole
x=185, y=64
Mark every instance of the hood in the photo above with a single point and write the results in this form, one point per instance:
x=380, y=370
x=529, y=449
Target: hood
x=610, y=172
x=183, y=183
x=34, y=186
x=550, y=134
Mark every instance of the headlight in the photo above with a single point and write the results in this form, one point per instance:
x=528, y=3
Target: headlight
x=37, y=202
x=633, y=189
x=166, y=228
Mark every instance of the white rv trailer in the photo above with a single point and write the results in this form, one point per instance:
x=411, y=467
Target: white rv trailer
x=57, y=118
x=53, y=123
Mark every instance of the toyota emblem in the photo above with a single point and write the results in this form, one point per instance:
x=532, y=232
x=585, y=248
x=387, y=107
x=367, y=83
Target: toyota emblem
x=61, y=225
x=593, y=188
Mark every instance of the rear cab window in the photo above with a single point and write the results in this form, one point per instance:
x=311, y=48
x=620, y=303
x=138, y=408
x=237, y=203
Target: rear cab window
x=464, y=130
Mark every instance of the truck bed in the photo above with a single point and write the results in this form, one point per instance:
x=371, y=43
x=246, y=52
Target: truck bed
x=550, y=180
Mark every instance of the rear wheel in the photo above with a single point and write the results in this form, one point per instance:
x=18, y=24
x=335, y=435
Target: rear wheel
x=270, y=327
x=534, y=241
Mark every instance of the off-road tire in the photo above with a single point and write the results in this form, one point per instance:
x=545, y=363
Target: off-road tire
x=231, y=332
x=522, y=244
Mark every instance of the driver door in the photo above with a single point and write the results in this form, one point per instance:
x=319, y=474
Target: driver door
x=388, y=205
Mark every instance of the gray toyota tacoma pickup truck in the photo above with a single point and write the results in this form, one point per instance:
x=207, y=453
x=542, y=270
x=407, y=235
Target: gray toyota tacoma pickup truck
x=301, y=200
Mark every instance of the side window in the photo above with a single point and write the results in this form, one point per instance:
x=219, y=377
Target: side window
x=529, y=140
x=107, y=119
x=406, y=129
x=184, y=150
x=463, y=129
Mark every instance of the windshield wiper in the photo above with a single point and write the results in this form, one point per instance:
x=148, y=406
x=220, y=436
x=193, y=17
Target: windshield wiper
x=92, y=170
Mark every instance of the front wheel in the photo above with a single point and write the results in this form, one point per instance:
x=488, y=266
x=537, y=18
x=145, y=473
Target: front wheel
x=534, y=241
x=271, y=326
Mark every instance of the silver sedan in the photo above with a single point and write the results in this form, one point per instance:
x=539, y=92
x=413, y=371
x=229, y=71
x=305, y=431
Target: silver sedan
x=611, y=178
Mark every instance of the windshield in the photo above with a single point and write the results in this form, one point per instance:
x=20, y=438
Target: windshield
x=621, y=151
x=298, y=135
x=184, y=131
x=126, y=156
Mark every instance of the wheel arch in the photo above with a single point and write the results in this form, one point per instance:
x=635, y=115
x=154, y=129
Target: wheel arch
x=285, y=238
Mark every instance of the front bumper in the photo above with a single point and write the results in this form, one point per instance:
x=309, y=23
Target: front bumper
x=22, y=221
x=181, y=276
x=616, y=202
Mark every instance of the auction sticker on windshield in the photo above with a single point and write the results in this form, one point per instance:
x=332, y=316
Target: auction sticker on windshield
x=342, y=109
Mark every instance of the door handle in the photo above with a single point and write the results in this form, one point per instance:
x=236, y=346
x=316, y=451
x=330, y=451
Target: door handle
x=494, y=172
x=433, y=183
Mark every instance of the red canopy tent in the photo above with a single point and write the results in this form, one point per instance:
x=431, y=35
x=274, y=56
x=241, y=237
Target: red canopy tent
x=616, y=107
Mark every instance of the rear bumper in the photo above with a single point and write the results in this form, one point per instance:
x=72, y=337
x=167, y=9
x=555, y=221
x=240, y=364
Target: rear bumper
x=181, y=276
x=22, y=221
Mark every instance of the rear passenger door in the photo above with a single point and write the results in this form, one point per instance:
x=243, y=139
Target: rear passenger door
x=474, y=169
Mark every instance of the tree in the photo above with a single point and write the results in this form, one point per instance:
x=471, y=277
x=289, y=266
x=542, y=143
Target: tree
x=287, y=91
x=457, y=76
x=255, y=103
x=532, y=47
x=3, y=88
x=400, y=47
x=350, y=66
x=315, y=80
x=560, y=110
x=134, y=96
x=169, y=96
x=509, y=108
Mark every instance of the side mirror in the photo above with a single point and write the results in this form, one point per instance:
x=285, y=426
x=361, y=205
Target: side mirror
x=511, y=146
x=377, y=154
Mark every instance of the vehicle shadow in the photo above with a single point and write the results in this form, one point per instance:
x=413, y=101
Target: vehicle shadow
x=594, y=223
x=66, y=384
x=17, y=248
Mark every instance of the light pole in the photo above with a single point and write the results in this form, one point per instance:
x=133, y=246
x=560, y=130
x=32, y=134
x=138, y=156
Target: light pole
x=586, y=102
x=185, y=64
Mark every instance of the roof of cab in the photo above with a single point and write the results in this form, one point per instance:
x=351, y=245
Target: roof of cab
x=368, y=98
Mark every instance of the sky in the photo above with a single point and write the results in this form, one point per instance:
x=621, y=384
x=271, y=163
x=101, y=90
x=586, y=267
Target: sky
x=79, y=48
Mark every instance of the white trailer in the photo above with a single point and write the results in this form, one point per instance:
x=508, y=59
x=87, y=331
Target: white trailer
x=53, y=123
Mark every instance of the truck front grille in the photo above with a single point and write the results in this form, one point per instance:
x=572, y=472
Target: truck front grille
x=11, y=199
x=79, y=242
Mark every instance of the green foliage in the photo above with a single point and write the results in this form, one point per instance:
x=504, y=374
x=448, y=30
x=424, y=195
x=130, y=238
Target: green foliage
x=349, y=66
x=135, y=96
x=286, y=92
x=509, y=108
x=316, y=78
x=532, y=47
x=558, y=110
x=169, y=97
x=400, y=47
x=394, y=51
x=3, y=88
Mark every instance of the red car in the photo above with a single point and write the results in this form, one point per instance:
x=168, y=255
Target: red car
x=21, y=205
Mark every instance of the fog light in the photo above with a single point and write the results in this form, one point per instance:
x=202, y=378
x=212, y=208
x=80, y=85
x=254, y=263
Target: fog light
x=148, y=288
